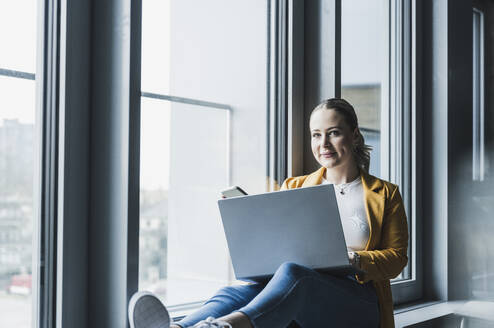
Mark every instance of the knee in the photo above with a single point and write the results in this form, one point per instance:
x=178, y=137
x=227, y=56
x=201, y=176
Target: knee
x=228, y=292
x=293, y=270
x=225, y=289
x=226, y=296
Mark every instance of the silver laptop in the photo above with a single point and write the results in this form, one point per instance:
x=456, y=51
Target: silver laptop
x=299, y=225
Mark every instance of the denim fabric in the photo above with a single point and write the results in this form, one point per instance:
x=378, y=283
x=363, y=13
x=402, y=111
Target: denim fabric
x=296, y=293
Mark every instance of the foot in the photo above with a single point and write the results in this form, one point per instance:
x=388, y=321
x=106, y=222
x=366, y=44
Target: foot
x=147, y=311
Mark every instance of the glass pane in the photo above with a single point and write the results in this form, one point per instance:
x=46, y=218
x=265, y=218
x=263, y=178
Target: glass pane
x=187, y=153
x=155, y=62
x=184, y=165
x=17, y=148
x=18, y=35
x=365, y=68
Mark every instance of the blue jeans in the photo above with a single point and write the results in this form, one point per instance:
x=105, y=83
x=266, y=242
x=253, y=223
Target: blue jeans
x=296, y=293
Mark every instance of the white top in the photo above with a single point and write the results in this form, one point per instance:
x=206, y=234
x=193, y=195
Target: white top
x=351, y=205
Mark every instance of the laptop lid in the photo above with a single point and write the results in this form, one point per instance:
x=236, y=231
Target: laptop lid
x=299, y=225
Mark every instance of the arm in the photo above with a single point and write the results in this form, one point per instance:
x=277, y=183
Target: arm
x=389, y=260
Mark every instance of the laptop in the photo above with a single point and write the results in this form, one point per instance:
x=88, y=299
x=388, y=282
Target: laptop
x=298, y=225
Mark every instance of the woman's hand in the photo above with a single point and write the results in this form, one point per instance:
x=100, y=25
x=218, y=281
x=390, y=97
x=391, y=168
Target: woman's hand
x=354, y=259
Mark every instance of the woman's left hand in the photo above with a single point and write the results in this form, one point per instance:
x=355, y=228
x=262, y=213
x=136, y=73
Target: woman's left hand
x=354, y=260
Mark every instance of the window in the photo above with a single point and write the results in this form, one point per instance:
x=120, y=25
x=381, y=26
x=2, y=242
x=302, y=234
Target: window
x=203, y=116
x=175, y=137
x=18, y=165
x=376, y=47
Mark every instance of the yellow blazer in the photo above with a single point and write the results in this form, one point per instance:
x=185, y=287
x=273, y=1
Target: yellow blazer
x=385, y=255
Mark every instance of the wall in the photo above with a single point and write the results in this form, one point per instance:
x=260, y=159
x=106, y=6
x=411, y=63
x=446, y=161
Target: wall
x=457, y=212
x=471, y=248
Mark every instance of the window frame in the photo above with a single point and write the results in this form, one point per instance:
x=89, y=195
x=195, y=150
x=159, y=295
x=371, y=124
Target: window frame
x=46, y=192
x=404, y=138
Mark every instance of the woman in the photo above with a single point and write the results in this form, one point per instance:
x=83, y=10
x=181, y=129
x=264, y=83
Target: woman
x=376, y=233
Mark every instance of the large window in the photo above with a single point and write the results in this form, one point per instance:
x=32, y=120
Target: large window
x=18, y=140
x=203, y=116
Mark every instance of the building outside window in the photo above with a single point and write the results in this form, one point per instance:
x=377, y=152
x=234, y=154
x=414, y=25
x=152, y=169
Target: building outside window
x=18, y=141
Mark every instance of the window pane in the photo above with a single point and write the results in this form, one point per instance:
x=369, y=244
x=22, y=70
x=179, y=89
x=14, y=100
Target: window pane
x=365, y=70
x=188, y=152
x=184, y=165
x=18, y=35
x=17, y=148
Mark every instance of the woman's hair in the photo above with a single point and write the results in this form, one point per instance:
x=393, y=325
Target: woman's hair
x=361, y=151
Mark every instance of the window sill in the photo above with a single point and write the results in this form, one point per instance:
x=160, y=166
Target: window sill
x=179, y=312
x=407, y=315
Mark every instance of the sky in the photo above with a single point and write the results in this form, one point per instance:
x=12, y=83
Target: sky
x=364, y=41
x=155, y=115
x=18, y=52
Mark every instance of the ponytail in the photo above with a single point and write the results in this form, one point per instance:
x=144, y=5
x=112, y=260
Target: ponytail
x=361, y=152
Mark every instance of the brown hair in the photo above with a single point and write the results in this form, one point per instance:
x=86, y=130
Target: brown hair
x=361, y=151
